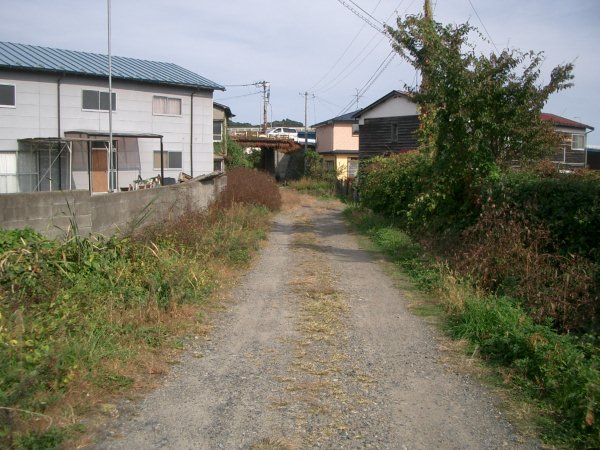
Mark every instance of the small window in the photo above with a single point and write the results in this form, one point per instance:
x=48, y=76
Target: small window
x=7, y=95
x=394, y=137
x=354, y=129
x=329, y=165
x=97, y=101
x=166, y=106
x=352, y=167
x=217, y=131
x=578, y=142
x=171, y=160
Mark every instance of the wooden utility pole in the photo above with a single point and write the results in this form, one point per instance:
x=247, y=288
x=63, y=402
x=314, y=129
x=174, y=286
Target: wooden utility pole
x=428, y=15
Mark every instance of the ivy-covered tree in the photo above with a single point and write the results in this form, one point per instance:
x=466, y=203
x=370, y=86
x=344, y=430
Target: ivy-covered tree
x=478, y=112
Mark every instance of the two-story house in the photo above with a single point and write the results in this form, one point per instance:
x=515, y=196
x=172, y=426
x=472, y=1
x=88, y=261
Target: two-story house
x=573, y=140
x=388, y=125
x=54, y=120
x=337, y=143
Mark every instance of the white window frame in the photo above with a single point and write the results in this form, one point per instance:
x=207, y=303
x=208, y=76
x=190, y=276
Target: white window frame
x=154, y=113
x=99, y=91
x=220, y=139
x=573, y=141
x=15, y=88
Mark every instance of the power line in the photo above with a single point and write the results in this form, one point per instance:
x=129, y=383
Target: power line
x=240, y=85
x=240, y=96
x=382, y=67
x=483, y=25
x=345, y=72
x=370, y=16
x=361, y=16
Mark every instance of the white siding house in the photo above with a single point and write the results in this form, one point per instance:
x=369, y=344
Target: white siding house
x=54, y=120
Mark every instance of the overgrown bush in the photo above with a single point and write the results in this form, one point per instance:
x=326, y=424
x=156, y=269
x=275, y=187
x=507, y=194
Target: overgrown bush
x=566, y=205
x=560, y=372
x=235, y=156
x=559, y=369
x=93, y=315
x=251, y=187
x=506, y=254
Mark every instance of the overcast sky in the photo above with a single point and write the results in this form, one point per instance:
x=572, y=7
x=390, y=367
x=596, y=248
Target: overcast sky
x=318, y=46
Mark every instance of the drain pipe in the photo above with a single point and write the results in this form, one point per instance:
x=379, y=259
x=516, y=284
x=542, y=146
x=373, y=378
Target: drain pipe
x=58, y=124
x=192, y=137
x=162, y=163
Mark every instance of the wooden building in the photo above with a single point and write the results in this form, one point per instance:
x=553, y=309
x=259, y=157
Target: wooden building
x=388, y=125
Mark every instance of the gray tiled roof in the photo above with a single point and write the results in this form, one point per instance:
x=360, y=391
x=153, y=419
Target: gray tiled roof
x=44, y=59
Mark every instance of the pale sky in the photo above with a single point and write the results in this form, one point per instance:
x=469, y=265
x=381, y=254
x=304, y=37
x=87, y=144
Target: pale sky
x=318, y=46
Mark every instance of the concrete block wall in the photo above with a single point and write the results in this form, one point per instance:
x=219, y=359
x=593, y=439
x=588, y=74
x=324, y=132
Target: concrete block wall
x=54, y=213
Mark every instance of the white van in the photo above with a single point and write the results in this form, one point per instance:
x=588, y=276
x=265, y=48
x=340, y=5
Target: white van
x=283, y=132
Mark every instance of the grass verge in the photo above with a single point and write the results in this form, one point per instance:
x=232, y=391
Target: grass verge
x=84, y=321
x=558, y=373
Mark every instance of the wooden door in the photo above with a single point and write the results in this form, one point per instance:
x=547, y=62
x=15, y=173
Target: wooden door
x=99, y=171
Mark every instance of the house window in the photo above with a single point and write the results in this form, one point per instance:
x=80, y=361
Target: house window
x=329, y=165
x=171, y=160
x=217, y=131
x=394, y=136
x=166, y=106
x=578, y=142
x=97, y=101
x=354, y=129
x=7, y=96
x=352, y=167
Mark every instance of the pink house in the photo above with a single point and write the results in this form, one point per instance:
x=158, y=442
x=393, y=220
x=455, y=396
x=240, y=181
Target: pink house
x=337, y=143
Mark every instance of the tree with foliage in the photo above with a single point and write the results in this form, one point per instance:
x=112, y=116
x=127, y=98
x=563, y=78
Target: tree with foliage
x=478, y=112
x=236, y=156
x=287, y=123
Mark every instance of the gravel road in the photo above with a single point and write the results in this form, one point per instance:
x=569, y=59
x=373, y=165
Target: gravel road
x=316, y=349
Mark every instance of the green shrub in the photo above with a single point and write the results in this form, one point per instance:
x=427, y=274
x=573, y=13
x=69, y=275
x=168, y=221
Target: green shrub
x=235, y=156
x=400, y=187
x=251, y=187
x=81, y=313
x=560, y=372
x=557, y=369
x=566, y=205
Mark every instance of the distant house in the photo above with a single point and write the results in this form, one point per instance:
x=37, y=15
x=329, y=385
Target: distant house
x=337, y=143
x=55, y=124
x=388, y=125
x=593, y=157
x=573, y=140
x=221, y=116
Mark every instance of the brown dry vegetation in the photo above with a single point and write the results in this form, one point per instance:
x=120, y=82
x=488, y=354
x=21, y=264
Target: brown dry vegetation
x=91, y=337
x=251, y=187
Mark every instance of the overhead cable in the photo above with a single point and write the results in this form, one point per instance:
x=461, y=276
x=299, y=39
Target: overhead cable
x=483, y=25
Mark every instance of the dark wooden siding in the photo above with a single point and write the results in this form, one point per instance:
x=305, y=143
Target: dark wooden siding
x=593, y=159
x=376, y=138
x=565, y=153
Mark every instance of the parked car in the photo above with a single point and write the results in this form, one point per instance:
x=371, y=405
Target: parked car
x=283, y=132
x=311, y=139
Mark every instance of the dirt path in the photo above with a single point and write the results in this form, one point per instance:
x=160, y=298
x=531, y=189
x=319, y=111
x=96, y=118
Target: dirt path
x=317, y=350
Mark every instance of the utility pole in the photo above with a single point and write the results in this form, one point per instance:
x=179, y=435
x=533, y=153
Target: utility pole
x=266, y=97
x=358, y=97
x=428, y=15
x=111, y=183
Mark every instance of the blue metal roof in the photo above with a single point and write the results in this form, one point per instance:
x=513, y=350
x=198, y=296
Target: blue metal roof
x=44, y=59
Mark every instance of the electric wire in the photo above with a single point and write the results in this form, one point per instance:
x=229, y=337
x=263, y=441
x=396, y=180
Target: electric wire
x=379, y=28
x=382, y=67
x=240, y=96
x=483, y=25
x=348, y=48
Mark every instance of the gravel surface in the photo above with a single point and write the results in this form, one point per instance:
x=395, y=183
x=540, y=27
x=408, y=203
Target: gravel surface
x=317, y=349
